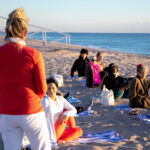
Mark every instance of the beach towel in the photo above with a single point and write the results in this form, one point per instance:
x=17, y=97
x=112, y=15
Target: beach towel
x=85, y=113
x=101, y=137
x=144, y=117
x=73, y=78
x=73, y=100
x=83, y=81
x=132, y=111
x=122, y=107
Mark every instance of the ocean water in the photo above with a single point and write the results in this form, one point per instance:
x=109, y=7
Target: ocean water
x=133, y=43
x=138, y=43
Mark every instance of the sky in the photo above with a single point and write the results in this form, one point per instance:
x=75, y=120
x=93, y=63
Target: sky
x=100, y=16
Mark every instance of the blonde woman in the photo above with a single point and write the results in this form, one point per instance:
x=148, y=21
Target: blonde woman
x=22, y=86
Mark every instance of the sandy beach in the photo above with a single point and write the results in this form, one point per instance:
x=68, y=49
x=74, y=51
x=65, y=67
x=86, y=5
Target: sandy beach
x=59, y=59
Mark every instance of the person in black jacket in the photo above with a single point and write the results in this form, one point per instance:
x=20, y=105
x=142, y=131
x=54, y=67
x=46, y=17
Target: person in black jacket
x=80, y=63
x=113, y=81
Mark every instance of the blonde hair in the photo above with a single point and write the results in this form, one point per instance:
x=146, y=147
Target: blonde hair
x=17, y=24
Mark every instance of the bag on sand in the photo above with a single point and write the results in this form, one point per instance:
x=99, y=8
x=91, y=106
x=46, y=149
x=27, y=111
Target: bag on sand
x=59, y=79
x=107, y=97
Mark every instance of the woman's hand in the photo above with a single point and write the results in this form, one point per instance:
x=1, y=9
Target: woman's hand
x=62, y=118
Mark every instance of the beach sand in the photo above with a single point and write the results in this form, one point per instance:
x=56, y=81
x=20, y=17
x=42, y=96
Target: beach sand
x=105, y=117
x=58, y=60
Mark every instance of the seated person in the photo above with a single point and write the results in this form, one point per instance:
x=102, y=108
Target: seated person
x=114, y=82
x=138, y=93
x=59, y=113
x=100, y=57
x=103, y=68
x=92, y=73
x=80, y=63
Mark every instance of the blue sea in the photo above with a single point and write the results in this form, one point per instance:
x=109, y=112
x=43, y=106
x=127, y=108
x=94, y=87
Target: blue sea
x=138, y=43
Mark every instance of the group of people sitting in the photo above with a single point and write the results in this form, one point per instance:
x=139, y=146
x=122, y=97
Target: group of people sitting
x=92, y=68
x=97, y=74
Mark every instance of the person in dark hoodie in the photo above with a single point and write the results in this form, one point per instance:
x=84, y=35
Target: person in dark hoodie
x=80, y=63
x=117, y=83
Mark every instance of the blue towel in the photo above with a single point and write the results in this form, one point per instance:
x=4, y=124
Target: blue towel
x=83, y=81
x=107, y=136
x=144, y=117
x=101, y=137
x=72, y=78
x=85, y=113
x=73, y=100
x=122, y=107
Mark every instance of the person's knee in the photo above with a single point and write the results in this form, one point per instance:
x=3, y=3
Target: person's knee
x=79, y=131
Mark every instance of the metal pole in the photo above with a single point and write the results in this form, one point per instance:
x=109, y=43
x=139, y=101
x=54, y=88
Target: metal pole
x=69, y=41
x=45, y=37
x=66, y=40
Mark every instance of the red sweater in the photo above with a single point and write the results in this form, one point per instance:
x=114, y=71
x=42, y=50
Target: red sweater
x=22, y=80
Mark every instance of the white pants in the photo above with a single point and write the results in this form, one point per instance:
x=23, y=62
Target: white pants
x=13, y=127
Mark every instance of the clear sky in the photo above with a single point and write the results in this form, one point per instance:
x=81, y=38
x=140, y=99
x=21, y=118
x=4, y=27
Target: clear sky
x=84, y=15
